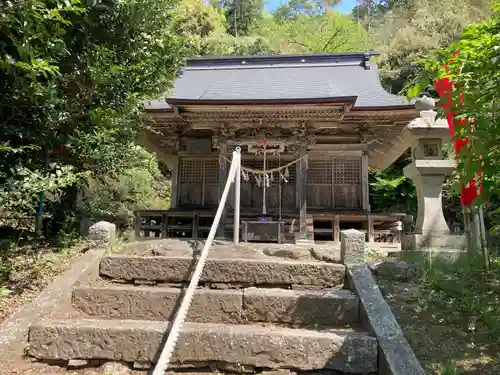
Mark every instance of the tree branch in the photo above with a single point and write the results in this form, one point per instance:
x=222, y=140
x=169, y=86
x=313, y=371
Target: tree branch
x=303, y=45
x=335, y=34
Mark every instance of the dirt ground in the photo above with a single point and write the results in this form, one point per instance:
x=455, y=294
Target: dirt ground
x=450, y=314
x=30, y=272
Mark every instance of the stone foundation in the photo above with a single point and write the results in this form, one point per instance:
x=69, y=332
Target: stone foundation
x=264, y=347
x=235, y=306
x=250, y=271
x=433, y=242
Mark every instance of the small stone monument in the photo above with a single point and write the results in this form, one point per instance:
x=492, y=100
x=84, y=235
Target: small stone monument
x=352, y=247
x=102, y=234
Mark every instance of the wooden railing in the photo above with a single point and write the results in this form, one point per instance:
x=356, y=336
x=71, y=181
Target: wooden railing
x=195, y=224
x=173, y=223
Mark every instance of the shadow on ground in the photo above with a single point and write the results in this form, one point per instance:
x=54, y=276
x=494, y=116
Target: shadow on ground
x=450, y=314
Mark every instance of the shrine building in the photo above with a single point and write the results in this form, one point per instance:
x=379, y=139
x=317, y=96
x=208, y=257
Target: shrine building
x=310, y=127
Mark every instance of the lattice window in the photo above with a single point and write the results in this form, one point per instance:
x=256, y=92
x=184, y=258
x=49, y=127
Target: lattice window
x=191, y=171
x=319, y=172
x=198, y=182
x=346, y=171
x=212, y=170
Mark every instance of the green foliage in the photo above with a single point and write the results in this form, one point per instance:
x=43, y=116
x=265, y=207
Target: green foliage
x=391, y=191
x=195, y=20
x=196, y=17
x=293, y=8
x=241, y=15
x=474, y=71
x=73, y=75
x=114, y=197
x=331, y=32
x=21, y=185
x=450, y=314
x=412, y=29
x=228, y=45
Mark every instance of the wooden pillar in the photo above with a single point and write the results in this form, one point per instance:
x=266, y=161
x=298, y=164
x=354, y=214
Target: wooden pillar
x=223, y=166
x=336, y=228
x=370, y=228
x=302, y=192
x=138, y=224
x=174, y=179
x=164, y=225
x=196, y=225
x=365, y=187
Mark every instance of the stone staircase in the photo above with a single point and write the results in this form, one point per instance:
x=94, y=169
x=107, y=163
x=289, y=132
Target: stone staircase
x=256, y=309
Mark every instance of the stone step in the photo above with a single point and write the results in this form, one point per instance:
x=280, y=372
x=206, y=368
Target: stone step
x=239, y=306
x=199, y=344
x=223, y=270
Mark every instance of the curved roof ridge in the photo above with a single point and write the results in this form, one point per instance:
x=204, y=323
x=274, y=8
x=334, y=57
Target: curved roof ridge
x=305, y=59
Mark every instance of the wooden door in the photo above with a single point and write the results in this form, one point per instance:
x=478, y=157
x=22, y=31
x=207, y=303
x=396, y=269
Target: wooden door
x=252, y=192
x=198, y=182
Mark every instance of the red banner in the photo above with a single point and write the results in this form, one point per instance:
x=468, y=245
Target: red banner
x=444, y=88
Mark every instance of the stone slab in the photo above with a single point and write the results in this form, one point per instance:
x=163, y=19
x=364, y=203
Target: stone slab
x=224, y=270
x=146, y=303
x=396, y=357
x=238, y=306
x=264, y=347
x=329, y=307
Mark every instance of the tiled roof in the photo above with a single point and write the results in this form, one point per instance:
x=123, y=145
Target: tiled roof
x=283, y=77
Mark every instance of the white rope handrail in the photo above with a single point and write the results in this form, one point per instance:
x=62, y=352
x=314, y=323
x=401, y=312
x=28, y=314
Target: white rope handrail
x=180, y=316
x=274, y=170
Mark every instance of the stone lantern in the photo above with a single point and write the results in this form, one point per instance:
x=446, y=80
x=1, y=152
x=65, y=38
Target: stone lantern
x=428, y=171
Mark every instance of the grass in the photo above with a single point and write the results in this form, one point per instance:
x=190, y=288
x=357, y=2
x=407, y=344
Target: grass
x=452, y=321
x=27, y=267
x=25, y=270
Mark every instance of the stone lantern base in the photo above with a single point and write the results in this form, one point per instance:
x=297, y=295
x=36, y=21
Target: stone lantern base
x=431, y=230
x=433, y=242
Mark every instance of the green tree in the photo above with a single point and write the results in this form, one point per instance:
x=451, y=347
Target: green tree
x=197, y=17
x=408, y=32
x=292, y=8
x=114, y=197
x=331, y=32
x=241, y=15
x=196, y=20
x=74, y=74
x=228, y=45
x=471, y=63
x=391, y=191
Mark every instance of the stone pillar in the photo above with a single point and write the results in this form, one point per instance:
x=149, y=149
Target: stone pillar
x=102, y=235
x=352, y=247
x=431, y=230
x=428, y=177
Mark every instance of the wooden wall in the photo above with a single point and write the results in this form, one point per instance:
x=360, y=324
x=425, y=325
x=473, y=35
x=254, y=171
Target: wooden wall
x=333, y=181
x=198, y=181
